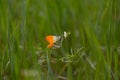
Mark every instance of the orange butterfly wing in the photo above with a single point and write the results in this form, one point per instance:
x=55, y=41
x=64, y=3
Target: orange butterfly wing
x=50, y=39
x=50, y=45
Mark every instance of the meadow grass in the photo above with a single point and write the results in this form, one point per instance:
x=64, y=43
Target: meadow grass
x=90, y=52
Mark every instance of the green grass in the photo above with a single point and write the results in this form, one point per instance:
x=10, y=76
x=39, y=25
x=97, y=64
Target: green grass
x=91, y=52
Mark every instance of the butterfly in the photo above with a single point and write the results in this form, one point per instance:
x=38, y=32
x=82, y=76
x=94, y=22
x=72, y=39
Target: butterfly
x=56, y=41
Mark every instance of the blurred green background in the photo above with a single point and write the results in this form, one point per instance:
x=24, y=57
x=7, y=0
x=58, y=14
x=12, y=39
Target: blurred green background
x=91, y=52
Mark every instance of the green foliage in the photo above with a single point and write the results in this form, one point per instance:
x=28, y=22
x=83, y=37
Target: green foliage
x=90, y=52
